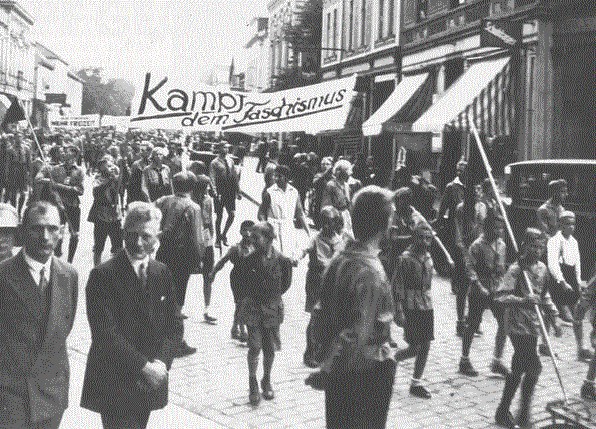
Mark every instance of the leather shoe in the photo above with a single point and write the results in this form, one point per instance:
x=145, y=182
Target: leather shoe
x=185, y=350
x=224, y=240
x=505, y=419
x=499, y=368
x=420, y=391
x=587, y=391
x=268, y=392
x=235, y=334
x=209, y=319
x=243, y=337
x=466, y=368
x=310, y=362
x=254, y=395
x=584, y=354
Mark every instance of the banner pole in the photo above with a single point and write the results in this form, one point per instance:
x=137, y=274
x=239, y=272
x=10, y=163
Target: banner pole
x=58, y=198
x=516, y=248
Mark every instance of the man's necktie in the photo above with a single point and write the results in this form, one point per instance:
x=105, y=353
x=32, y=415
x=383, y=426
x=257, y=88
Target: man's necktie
x=43, y=283
x=143, y=276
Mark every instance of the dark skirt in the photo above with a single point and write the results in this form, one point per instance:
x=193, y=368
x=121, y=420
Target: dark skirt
x=419, y=326
x=313, y=286
x=238, y=285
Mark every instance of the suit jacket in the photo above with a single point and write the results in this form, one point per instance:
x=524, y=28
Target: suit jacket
x=129, y=327
x=454, y=194
x=34, y=370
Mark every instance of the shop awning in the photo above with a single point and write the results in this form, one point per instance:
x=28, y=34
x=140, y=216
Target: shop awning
x=402, y=93
x=481, y=94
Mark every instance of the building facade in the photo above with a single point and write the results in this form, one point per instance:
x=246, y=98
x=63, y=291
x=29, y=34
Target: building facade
x=362, y=37
x=282, y=13
x=547, y=84
x=58, y=90
x=258, y=50
x=17, y=53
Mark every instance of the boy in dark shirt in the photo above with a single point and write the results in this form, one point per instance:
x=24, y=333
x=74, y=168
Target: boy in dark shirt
x=414, y=310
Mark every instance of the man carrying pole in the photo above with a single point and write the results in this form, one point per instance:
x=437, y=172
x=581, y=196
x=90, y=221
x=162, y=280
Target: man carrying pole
x=523, y=270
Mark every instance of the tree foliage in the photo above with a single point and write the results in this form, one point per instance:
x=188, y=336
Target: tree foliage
x=104, y=96
x=304, y=37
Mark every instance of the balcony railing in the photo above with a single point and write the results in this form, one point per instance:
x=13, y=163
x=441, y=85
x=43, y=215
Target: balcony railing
x=458, y=19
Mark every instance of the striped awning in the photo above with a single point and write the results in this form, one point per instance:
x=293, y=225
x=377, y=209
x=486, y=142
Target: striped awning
x=481, y=95
x=402, y=93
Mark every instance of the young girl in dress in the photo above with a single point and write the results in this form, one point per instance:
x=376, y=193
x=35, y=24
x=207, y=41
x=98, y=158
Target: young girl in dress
x=237, y=255
x=321, y=249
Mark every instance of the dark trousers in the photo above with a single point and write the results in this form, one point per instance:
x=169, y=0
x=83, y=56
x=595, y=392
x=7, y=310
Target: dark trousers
x=261, y=164
x=460, y=284
x=137, y=419
x=525, y=359
x=562, y=296
x=477, y=303
x=360, y=400
x=101, y=231
x=181, y=275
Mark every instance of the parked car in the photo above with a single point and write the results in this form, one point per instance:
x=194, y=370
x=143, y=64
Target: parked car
x=202, y=155
x=527, y=188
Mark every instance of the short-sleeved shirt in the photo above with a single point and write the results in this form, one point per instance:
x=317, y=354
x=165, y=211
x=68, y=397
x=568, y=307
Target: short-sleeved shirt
x=412, y=280
x=356, y=299
x=522, y=319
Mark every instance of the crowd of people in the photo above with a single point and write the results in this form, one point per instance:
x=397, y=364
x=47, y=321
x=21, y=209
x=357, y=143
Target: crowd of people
x=371, y=247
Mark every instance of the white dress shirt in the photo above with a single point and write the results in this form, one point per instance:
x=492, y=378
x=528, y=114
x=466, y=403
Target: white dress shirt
x=136, y=264
x=561, y=250
x=35, y=268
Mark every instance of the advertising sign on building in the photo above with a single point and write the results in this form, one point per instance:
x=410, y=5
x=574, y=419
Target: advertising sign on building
x=501, y=33
x=74, y=122
x=168, y=104
x=56, y=99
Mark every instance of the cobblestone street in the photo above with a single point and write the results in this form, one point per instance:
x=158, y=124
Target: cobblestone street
x=210, y=388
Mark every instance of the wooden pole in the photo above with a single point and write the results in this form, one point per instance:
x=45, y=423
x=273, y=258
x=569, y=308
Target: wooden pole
x=516, y=248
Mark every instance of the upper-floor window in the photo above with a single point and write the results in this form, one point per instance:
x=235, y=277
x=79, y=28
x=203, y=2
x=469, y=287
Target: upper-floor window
x=351, y=25
x=362, y=22
x=386, y=19
x=334, y=38
x=381, y=18
x=328, y=36
x=391, y=18
x=455, y=3
x=421, y=10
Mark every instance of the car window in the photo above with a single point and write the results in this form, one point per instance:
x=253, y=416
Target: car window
x=529, y=184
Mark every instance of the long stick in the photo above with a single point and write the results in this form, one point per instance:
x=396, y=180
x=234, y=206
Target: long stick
x=516, y=248
x=58, y=198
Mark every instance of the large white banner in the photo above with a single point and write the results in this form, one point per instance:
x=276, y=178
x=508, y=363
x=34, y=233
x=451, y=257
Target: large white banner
x=165, y=103
x=120, y=123
x=74, y=122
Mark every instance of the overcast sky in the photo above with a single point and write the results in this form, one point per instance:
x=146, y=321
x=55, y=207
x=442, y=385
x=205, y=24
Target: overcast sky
x=129, y=37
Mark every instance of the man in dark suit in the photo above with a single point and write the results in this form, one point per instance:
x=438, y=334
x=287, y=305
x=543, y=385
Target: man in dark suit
x=131, y=307
x=38, y=299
